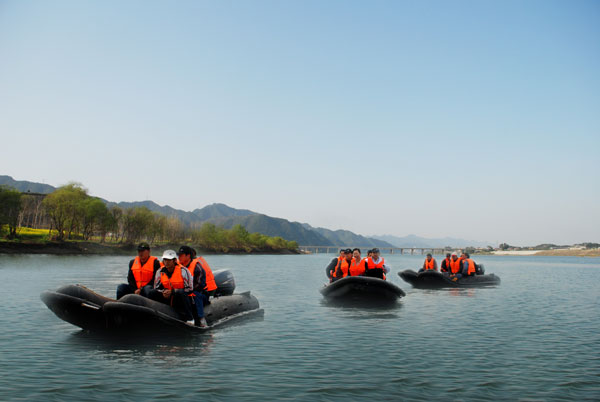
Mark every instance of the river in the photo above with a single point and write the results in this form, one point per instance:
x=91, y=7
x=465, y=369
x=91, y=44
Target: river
x=536, y=336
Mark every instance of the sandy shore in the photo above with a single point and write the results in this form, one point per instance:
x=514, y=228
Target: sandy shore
x=558, y=253
x=515, y=252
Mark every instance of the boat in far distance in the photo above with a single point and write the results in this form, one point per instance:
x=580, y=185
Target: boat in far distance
x=362, y=289
x=437, y=280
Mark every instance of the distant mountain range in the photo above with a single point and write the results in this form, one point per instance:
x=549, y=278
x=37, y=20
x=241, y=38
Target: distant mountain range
x=418, y=242
x=26, y=186
x=227, y=217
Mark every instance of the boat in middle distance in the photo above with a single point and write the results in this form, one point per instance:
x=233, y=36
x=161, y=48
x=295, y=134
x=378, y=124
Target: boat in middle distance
x=362, y=288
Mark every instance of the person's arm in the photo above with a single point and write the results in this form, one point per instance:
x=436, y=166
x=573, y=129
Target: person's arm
x=130, y=278
x=199, y=278
x=157, y=284
x=330, y=267
x=188, y=280
x=386, y=268
x=435, y=266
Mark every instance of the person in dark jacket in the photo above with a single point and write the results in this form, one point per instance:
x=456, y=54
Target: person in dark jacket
x=142, y=270
x=445, y=267
x=329, y=269
x=200, y=296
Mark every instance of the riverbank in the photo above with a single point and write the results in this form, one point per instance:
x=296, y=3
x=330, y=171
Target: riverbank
x=92, y=248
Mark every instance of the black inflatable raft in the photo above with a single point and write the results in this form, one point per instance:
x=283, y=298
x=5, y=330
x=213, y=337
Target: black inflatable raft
x=362, y=288
x=86, y=309
x=437, y=280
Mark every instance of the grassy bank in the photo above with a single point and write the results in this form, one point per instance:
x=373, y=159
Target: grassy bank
x=38, y=241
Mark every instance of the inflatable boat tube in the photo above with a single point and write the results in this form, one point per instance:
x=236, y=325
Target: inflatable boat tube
x=87, y=309
x=362, y=288
x=77, y=305
x=136, y=313
x=437, y=280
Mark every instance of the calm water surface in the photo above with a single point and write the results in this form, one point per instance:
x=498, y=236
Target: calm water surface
x=536, y=336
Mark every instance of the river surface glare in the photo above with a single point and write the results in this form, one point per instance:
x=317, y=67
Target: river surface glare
x=536, y=336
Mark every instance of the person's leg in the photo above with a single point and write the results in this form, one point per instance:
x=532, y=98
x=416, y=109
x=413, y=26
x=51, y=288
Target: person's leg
x=124, y=289
x=182, y=304
x=155, y=295
x=145, y=291
x=200, y=300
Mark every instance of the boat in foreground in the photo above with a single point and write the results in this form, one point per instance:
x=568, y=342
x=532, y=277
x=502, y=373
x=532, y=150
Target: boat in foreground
x=362, y=288
x=437, y=280
x=88, y=310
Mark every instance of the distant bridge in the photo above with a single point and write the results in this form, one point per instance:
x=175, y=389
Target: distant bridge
x=391, y=250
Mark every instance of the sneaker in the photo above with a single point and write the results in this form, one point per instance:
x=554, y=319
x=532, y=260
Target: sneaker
x=190, y=322
x=454, y=279
x=202, y=323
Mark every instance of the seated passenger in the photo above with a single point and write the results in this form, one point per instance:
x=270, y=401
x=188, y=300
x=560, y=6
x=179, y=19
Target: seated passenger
x=430, y=264
x=343, y=266
x=469, y=266
x=455, y=264
x=330, y=269
x=359, y=265
x=211, y=284
x=198, y=294
x=376, y=267
x=445, y=267
x=142, y=270
x=173, y=285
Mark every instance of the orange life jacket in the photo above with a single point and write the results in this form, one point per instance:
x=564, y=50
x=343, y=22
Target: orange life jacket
x=357, y=268
x=447, y=267
x=471, y=266
x=430, y=265
x=175, y=281
x=143, y=274
x=344, y=267
x=455, y=266
x=210, y=278
x=371, y=265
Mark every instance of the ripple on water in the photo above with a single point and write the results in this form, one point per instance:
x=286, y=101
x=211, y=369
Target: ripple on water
x=533, y=337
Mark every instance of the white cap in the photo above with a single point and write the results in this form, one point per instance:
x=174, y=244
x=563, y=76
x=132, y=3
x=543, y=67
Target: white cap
x=169, y=255
x=454, y=253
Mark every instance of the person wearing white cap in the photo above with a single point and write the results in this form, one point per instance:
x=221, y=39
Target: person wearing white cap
x=455, y=264
x=172, y=285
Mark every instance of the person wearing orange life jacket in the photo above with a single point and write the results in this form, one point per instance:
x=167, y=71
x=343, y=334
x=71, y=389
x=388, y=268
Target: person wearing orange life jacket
x=330, y=269
x=430, y=264
x=198, y=294
x=468, y=267
x=142, y=270
x=455, y=264
x=211, y=284
x=445, y=267
x=172, y=285
x=359, y=265
x=343, y=266
x=376, y=267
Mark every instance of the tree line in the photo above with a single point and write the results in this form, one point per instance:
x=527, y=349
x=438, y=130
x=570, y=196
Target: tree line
x=70, y=213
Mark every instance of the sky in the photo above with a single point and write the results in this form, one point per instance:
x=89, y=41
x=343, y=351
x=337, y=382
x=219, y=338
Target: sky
x=470, y=119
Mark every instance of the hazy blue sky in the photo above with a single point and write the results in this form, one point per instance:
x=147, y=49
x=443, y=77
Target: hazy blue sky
x=471, y=119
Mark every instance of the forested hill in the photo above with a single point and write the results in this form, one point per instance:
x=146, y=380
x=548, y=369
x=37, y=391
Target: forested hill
x=227, y=217
x=26, y=186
